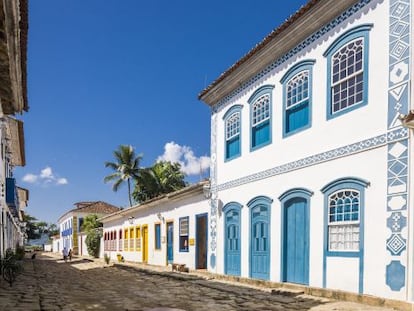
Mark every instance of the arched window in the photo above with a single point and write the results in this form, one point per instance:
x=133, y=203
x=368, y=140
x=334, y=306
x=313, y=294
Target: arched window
x=344, y=214
x=297, y=97
x=261, y=117
x=347, y=59
x=232, y=123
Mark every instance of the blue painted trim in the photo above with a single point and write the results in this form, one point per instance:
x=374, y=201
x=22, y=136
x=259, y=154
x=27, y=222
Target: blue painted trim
x=232, y=109
x=206, y=234
x=251, y=204
x=227, y=208
x=266, y=89
x=356, y=32
x=285, y=198
x=305, y=65
x=340, y=181
x=297, y=68
x=229, y=113
x=347, y=36
x=259, y=199
x=231, y=205
x=337, y=185
x=295, y=192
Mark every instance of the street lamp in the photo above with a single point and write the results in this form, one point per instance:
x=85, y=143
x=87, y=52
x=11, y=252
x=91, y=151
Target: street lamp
x=407, y=120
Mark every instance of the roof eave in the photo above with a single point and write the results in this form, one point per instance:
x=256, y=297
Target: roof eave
x=279, y=42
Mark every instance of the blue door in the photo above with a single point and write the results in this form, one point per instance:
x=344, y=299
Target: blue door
x=232, y=242
x=259, y=244
x=170, y=248
x=296, y=241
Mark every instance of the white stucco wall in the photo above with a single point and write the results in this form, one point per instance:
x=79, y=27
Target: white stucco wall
x=171, y=212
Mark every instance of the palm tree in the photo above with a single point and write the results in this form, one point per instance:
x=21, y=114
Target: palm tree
x=163, y=177
x=126, y=168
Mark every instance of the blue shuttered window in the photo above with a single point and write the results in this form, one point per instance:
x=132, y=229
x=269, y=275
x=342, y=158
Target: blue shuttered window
x=157, y=229
x=232, y=122
x=261, y=117
x=297, y=97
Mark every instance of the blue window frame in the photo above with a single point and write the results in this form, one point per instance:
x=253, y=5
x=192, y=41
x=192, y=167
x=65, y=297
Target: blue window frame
x=347, y=59
x=232, y=128
x=297, y=97
x=157, y=229
x=344, y=221
x=184, y=230
x=261, y=117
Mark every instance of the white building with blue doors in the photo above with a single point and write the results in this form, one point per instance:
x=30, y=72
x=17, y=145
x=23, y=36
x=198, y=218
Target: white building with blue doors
x=169, y=229
x=310, y=160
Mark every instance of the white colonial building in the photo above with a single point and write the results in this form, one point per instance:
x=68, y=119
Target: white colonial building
x=70, y=225
x=13, y=100
x=170, y=229
x=311, y=155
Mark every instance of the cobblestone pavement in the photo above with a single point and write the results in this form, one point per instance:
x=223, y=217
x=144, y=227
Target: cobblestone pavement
x=48, y=283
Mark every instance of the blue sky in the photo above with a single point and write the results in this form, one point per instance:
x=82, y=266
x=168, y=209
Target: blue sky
x=105, y=73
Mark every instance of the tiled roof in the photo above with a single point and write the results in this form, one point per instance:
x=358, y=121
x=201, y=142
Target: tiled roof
x=304, y=9
x=98, y=207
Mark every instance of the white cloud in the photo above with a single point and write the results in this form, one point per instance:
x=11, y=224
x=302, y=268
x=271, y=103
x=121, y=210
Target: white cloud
x=30, y=178
x=46, y=173
x=46, y=177
x=62, y=181
x=190, y=163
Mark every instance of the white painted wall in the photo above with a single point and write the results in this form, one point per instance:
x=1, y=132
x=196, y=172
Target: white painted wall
x=171, y=212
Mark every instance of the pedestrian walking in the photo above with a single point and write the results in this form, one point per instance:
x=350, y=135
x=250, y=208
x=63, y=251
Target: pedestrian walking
x=65, y=254
x=70, y=254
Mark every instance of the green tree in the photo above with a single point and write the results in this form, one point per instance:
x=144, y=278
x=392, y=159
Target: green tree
x=161, y=178
x=93, y=230
x=126, y=167
x=90, y=223
x=32, y=230
x=52, y=230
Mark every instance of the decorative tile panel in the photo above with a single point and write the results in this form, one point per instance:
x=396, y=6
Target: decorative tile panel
x=398, y=152
x=395, y=275
x=213, y=192
x=396, y=222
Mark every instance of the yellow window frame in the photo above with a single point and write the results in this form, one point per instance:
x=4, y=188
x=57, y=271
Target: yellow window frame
x=126, y=237
x=138, y=238
x=131, y=238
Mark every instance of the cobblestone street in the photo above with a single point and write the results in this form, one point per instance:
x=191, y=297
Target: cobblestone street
x=48, y=283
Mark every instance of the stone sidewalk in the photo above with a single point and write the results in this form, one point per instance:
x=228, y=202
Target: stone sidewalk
x=48, y=283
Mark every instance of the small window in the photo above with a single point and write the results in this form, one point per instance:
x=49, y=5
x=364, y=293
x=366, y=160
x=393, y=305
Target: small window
x=157, y=229
x=260, y=116
x=184, y=229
